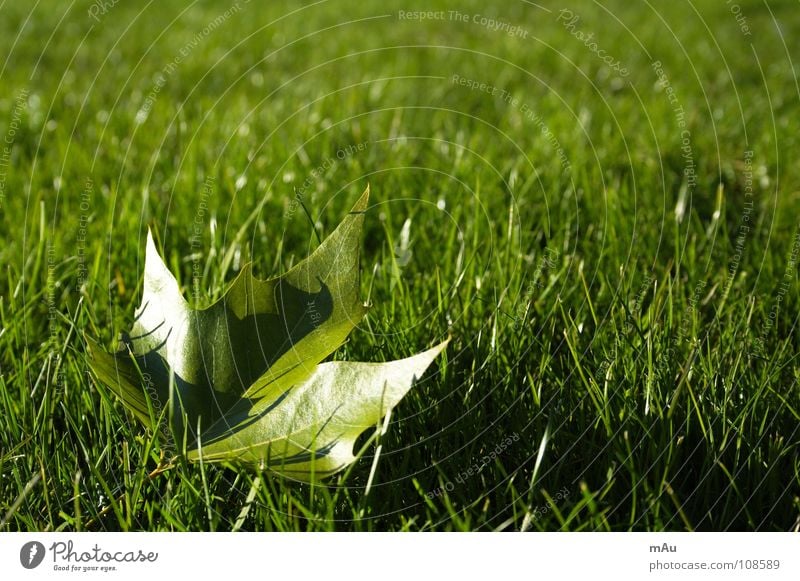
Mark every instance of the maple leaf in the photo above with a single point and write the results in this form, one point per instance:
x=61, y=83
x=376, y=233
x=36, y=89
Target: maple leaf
x=241, y=380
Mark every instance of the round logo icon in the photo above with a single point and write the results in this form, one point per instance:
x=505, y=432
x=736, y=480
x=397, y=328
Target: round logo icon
x=31, y=554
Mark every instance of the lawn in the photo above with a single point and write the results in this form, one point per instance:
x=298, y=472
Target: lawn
x=598, y=203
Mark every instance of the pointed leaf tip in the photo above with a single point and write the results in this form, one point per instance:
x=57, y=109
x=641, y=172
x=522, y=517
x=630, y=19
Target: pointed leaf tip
x=150, y=248
x=361, y=204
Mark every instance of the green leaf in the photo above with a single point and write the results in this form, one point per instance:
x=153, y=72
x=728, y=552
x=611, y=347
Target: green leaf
x=241, y=378
x=313, y=425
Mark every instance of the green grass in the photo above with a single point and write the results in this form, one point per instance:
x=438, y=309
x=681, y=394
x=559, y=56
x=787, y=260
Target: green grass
x=645, y=359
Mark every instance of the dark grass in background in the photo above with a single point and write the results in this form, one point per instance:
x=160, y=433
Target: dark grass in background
x=614, y=252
